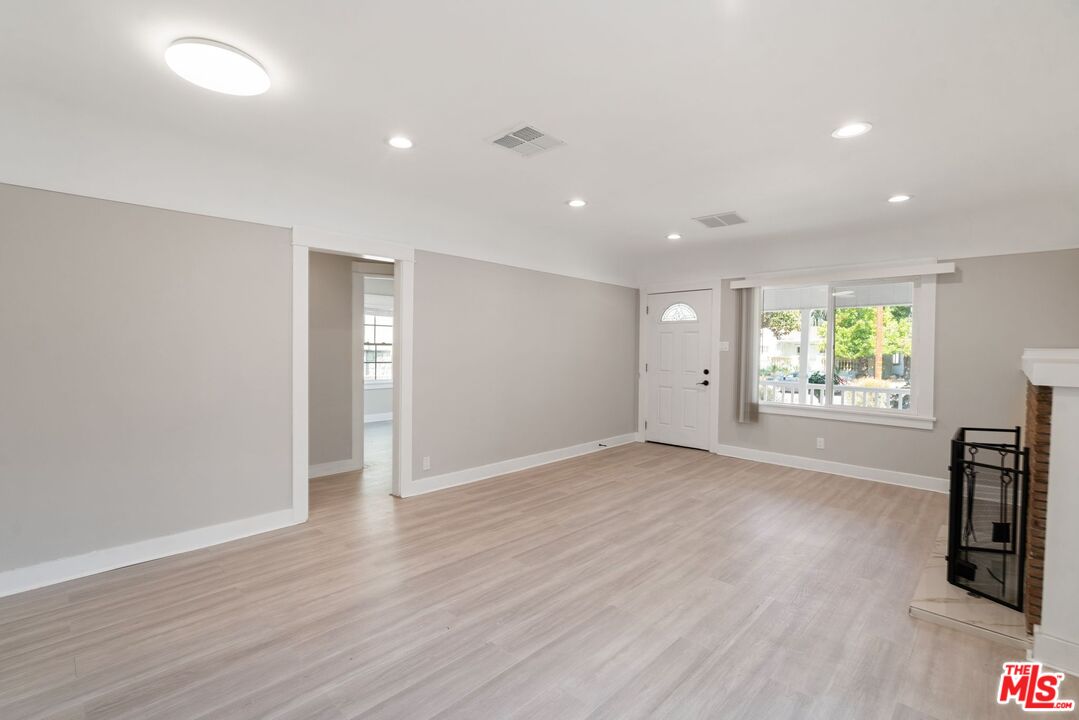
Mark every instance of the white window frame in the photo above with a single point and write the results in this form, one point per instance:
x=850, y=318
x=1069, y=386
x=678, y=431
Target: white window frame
x=374, y=384
x=923, y=353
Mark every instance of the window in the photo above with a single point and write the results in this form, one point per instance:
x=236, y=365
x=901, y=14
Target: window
x=377, y=346
x=679, y=312
x=848, y=347
x=872, y=344
x=792, y=345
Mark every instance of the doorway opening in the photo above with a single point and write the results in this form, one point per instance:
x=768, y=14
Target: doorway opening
x=374, y=283
x=329, y=357
x=350, y=379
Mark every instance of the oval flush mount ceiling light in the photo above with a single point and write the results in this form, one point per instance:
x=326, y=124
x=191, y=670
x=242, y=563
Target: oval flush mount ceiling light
x=901, y=198
x=852, y=130
x=400, y=142
x=216, y=66
x=674, y=236
x=576, y=203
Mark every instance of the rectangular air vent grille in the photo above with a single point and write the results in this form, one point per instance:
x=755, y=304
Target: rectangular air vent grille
x=527, y=141
x=718, y=220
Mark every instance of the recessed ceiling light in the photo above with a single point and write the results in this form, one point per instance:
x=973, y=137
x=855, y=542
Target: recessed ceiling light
x=576, y=203
x=674, y=236
x=400, y=142
x=216, y=66
x=852, y=130
x=899, y=198
x=842, y=293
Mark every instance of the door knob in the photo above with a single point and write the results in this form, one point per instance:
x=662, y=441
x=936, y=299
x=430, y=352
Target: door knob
x=703, y=382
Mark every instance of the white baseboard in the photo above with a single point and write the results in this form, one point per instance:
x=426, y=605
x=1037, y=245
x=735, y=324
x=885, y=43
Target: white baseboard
x=892, y=477
x=333, y=468
x=378, y=417
x=1057, y=653
x=422, y=485
x=98, y=561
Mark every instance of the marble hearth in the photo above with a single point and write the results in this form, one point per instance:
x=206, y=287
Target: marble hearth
x=938, y=601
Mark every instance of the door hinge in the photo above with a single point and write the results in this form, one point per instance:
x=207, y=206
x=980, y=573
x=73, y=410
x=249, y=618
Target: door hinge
x=645, y=424
x=646, y=310
x=646, y=367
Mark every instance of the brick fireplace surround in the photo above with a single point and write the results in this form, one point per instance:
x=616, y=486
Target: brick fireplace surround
x=1052, y=570
x=1039, y=419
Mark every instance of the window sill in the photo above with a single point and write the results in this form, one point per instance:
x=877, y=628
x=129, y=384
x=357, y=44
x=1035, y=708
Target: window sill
x=919, y=422
x=378, y=385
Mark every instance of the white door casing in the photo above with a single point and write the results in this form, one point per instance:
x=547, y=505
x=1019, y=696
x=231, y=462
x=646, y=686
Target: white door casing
x=305, y=239
x=677, y=370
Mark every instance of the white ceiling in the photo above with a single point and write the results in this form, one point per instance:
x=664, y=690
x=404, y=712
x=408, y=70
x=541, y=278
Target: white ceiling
x=670, y=109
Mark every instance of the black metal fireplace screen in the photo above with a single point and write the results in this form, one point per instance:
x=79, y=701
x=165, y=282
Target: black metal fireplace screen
x=987, y=513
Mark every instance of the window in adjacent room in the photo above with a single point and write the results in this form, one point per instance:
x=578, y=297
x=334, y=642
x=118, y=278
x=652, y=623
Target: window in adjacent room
x=377, y=345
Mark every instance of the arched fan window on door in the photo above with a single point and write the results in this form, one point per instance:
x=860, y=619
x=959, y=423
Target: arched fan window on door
x=679, y=312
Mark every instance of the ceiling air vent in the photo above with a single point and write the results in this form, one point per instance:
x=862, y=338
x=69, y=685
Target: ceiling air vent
x=527, y=141
x=719, y=220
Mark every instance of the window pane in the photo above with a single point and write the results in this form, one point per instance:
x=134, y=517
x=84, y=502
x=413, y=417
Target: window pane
x=368, y=353
x=384, y=372
x=679, y=312
x=873, y=343
x=780, y=348
x=384, y=335
x=368, y=333
x=368, y=371
x=793, y=343
x=376, y=317
x=384, y=354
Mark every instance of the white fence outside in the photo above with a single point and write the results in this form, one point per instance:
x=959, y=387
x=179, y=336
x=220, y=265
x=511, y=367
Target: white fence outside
x=788, y=392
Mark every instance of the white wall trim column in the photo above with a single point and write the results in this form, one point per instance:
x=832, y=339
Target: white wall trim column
x=300, y=366
x=357, y=368
x=642, y=359
x=1056, y=639
x=403, y=310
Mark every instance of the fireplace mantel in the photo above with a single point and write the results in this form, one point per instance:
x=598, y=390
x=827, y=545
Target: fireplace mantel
x=1056, y=639
x=1055, y=367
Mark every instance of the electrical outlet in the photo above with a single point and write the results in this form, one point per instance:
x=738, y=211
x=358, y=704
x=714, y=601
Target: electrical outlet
x=724, y=346
x=820, y=443
x=426, y=462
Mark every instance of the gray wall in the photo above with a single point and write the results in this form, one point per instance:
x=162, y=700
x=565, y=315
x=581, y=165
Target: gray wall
x=987, y=313
x=145, y=369
x=377, y=401
x=511, y=362
x=330, y=358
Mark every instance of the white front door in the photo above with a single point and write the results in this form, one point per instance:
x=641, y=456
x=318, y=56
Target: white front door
x=679, y=348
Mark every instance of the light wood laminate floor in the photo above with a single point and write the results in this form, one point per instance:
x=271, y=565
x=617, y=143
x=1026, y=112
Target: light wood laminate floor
x=644, y=581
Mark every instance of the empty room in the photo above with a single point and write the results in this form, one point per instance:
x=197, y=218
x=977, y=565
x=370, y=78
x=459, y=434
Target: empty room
x=553, y=361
